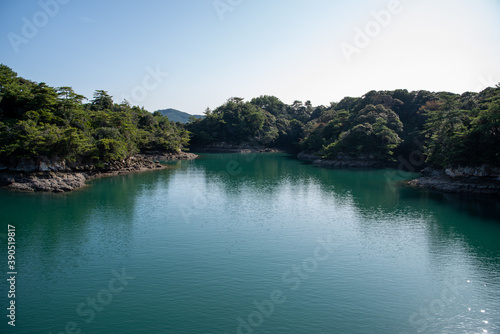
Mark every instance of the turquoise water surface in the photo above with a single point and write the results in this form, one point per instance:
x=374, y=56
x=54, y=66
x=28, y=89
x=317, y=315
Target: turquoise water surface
x=252, y=243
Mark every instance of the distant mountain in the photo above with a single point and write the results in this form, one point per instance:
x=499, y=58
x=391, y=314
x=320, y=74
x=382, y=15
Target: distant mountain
x=177, y=115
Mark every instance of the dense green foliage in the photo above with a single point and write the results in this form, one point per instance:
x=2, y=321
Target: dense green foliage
x=379, y=124
x=38, y=120
x=263, y=121
x=448, y=128
x=464, y=130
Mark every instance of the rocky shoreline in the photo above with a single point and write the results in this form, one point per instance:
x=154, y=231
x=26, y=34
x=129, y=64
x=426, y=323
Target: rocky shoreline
x=54, y=175
x=482, y=181
x=161, y=156
x=344, y=161
x=228, y=148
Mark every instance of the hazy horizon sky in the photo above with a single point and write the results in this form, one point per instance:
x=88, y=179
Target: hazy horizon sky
x=190, y=55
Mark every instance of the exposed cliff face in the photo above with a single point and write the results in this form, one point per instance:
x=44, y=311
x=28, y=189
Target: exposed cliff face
x=56, y=175
x=41, y=164
x=484, y=180
x=44, y=181
x=483, y=172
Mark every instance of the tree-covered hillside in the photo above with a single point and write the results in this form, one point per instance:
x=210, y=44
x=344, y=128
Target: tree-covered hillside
x=263, y=121
x=39, y=120
x=448, y=128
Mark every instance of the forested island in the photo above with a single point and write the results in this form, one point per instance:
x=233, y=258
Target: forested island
x=453, y=138
x=50, y=140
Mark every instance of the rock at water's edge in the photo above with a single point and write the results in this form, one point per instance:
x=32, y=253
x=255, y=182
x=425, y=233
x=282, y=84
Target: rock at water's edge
x=55, y=175
x=482, y=180
x=344, y=161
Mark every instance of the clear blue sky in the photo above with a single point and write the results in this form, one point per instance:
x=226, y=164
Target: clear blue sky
x=293, y=49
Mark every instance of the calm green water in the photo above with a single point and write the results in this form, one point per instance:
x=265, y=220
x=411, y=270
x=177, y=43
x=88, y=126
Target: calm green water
x=244, y=243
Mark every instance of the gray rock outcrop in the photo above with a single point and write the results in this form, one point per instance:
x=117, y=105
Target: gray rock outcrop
x=58, y=175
